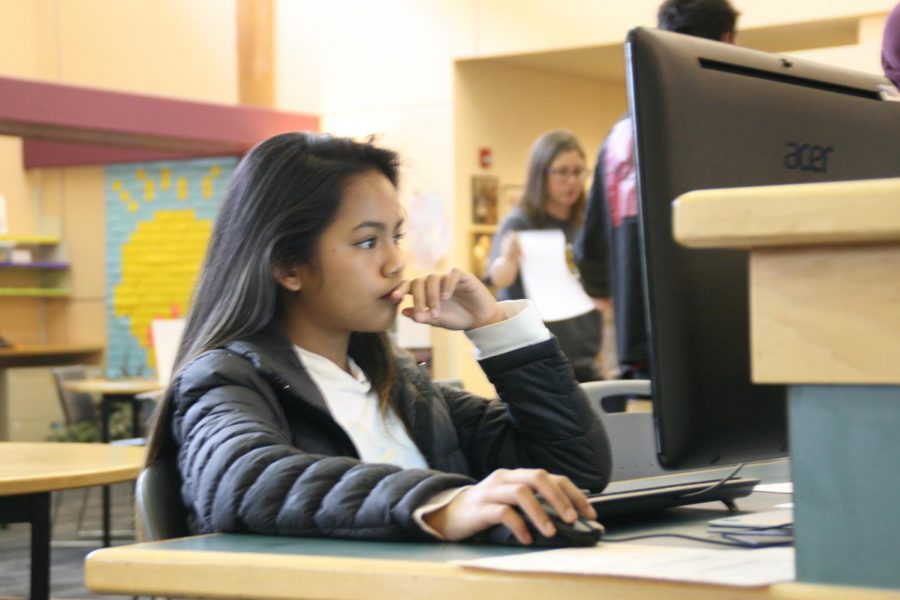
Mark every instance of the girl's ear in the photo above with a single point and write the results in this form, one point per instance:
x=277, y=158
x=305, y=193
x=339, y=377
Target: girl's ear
x=288, y=277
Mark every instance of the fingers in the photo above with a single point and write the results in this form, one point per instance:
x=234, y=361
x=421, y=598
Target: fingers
x=576, y=496
x=427, y=293
x=531, y=506
x=510, y=497
x=552, y=490
x=499, y=501
x=510, y=246
x=433, y=295
x=509, y=517
x=417, y=291
x=449, y=283
x=400, y=291
x=556, y=490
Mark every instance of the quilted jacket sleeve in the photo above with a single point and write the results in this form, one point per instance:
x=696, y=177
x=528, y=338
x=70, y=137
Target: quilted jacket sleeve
x=241, y=471
x=542, y=419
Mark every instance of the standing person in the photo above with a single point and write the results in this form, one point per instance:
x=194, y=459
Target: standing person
x=292, y=414
x=553, y=198
x=608, y=248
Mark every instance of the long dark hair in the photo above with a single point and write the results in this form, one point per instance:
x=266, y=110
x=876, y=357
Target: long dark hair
x=284, y=193
x=543, y=152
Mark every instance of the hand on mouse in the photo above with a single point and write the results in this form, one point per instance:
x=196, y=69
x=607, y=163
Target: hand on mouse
x=492, y=501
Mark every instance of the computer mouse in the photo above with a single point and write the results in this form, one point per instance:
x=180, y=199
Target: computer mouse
x=582, y=532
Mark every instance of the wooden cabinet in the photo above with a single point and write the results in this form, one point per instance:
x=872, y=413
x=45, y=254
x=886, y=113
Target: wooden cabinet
x=33, y=266
x=29, y=404
x=483, y=224
x=481, y=238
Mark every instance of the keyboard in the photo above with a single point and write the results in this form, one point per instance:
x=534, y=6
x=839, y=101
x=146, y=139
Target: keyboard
x=653, y=494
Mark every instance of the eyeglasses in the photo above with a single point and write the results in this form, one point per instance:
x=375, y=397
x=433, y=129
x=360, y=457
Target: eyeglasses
x=562, y=173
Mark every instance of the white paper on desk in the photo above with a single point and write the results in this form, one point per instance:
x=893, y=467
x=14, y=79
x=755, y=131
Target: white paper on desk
x=741, y=568
x=556, y=293
x=778, y=488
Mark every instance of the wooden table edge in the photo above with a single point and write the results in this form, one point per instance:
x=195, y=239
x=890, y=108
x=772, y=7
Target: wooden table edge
x=215, y=574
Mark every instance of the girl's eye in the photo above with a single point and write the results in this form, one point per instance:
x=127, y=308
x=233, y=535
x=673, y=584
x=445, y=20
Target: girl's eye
x=399, y=238
x=367, y=244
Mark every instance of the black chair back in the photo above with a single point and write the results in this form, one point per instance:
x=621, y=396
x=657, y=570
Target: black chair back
x=76, y=407
x=161, y=514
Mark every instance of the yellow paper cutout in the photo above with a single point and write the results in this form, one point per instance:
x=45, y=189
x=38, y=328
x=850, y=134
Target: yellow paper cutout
x=159, y=270
x=149, y=190
x=181, y=188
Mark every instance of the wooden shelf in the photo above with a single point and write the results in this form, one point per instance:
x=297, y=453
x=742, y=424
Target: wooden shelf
x=36, y=240
x=23, y=292
x=38, y=273
x=47, y=265
x=28, y=355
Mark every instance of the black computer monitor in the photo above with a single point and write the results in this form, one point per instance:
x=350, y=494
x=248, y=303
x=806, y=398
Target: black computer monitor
x=712, y=115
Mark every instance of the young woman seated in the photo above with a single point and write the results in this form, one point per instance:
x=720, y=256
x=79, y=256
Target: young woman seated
x=291, y=413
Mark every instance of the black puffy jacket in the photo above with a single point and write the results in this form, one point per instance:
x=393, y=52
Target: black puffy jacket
x=258, y=450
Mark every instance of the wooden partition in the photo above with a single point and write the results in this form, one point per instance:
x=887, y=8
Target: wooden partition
x=825, y=319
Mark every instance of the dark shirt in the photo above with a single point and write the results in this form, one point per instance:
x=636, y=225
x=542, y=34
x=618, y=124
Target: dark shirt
x=579, y=337
x=608, y=248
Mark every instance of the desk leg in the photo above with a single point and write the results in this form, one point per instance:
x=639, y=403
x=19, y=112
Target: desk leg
x=135, y=417
x=40, y=546
x=35, y=510
x=105, y=409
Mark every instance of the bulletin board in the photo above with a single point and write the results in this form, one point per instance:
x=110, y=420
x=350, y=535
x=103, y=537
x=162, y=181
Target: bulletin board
x=159, y=216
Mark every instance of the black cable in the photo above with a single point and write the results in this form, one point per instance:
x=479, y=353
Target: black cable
x=732, y=543
x=717, y=484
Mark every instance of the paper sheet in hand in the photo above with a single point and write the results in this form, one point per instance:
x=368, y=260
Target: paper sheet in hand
x=742, y=568
x=549, y=284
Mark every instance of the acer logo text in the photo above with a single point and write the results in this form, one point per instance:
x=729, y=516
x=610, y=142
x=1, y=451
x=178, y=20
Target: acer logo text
x=807, y=157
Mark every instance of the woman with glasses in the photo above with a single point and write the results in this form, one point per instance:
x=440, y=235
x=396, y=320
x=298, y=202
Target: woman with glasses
x=553, y=198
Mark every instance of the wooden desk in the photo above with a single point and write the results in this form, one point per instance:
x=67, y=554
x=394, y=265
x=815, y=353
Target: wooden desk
x=825, y=319
x=112, y=391
x=245, y=566
x=30, y=471
x=31, y=355
x=27, y=410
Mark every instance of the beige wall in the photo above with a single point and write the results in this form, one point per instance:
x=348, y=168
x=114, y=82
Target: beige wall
x=387, y=68
x=504, y=108
x=864, y=55
x=159, y=47
x=365, y=67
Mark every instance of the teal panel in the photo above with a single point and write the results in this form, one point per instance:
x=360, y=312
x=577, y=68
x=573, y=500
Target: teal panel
x=845, y=448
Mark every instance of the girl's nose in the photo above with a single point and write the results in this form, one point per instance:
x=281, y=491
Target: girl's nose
x=394, y=262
